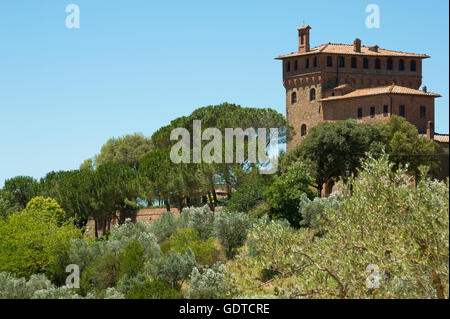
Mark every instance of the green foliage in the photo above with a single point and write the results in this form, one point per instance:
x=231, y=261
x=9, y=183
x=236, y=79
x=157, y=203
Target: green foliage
x=126, y=150
x=39, y=287
x=103, y=273
x=8, y=204
x=204, y=250
x=33, y=240
x=231, y=228
x=153, y=289
x=403, y=144
x=201, y=219
x=164, y=227
x=284, y=194
x=131, y=260
x=271, y=244
x=312, y=211
x=208, y=283
x=23, y=188
x=175, y=268
x=247, y=197
x=141, y=232
x=388, y=222
x=73, y=190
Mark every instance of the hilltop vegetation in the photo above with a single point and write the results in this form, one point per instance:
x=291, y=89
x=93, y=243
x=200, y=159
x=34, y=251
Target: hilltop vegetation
x=383, y=234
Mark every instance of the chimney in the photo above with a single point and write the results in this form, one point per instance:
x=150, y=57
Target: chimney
x=303, y=38
x=430, y=130
x=424, y=88
x=357, y=45
x=373, y=48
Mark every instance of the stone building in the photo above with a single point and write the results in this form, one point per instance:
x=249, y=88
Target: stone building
x=333, y=82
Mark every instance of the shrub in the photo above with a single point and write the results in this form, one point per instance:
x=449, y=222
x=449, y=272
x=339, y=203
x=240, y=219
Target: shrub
x=102, y=274
x=153, y=289
x=271, y=244
x=205, y=251
x=231, y=228
x=259, y=210
x=247, y=197
x=312, y=211
x=386, y=221
x=200, y=219
x=164, y=227
x=132, y=259
x=283, y=196
x=175, y=268
x=140, y=231
x=34, y=240
x=39, y=287
x=209, y=283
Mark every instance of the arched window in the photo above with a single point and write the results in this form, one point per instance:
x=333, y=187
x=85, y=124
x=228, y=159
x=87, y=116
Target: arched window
x=413, y=65
x=354, y=64
x=288, y=66
x=366, y=63
x=341, y=62
x=329, y=61
x=390, y=64
x=401, y=65
x=315, y=62
x=377, y=64
x=303, y=130
x=312, y=94
x=294, y=98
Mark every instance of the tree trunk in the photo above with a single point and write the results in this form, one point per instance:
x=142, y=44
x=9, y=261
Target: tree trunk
x=180, y=203
x=96, y=227
x=215, y=197
x=211, y=205
x=166, y=201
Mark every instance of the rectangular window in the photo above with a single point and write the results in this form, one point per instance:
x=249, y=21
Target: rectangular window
x=423, y=112
x=341, y=62
x=385, y=110
x=360, y=112
x=372, y=111
x=401, y=110
x=288, y=66
x=295, y=65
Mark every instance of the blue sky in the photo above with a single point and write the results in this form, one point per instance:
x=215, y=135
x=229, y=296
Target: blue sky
x=135, y=65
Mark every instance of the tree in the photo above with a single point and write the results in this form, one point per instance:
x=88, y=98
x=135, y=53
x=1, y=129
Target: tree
x=32, y=241
x=73, y=190
x=116, y=190
x=8, y=204
x=23, y=188
x=127, y=150
x=285, y=193
x=221, y=117
x=334, y=150
x=231, y=228
x=405, y=146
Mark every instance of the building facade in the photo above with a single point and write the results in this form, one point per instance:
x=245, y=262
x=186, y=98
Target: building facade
x=333, y=82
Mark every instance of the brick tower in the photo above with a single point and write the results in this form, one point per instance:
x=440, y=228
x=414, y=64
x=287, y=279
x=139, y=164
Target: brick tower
x=333, y=82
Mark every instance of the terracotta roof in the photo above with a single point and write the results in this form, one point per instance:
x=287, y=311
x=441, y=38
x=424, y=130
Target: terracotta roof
x=442, y=138
x=339, y=48
x=392, y=89
x=303, y=27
